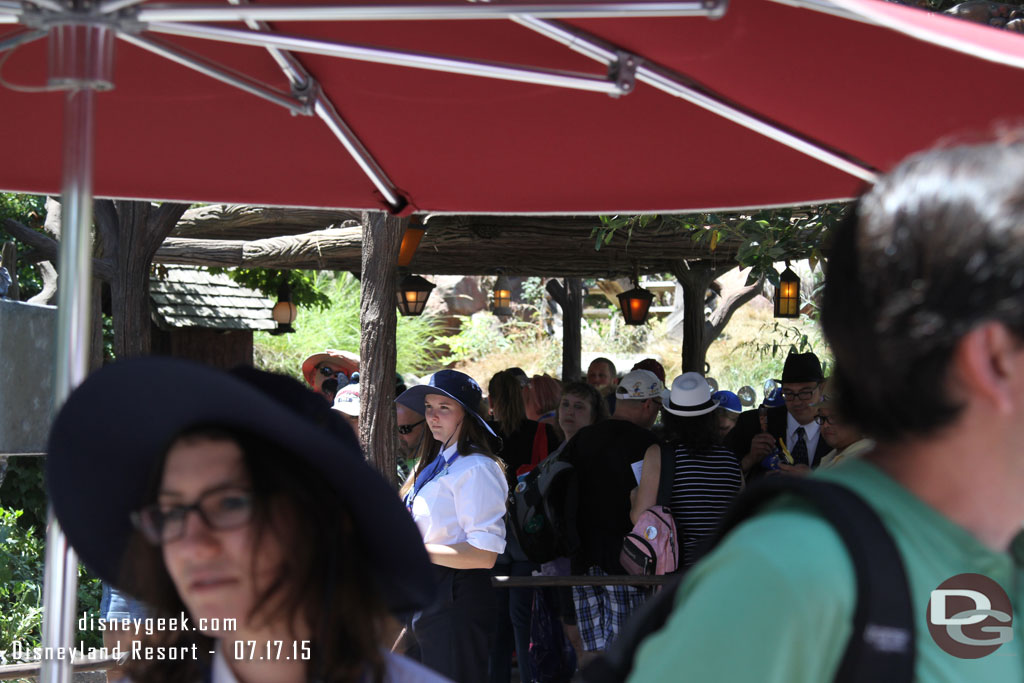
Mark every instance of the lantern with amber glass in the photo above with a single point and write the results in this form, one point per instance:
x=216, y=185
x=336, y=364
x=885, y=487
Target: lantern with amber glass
x=414, y=232
x=502, y=296
x=284, y=312
x=413, y=291
x=787, y=295
x=635, y=304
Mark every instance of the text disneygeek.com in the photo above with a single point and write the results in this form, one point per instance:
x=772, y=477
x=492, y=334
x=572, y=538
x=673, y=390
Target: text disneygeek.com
x=273, y=650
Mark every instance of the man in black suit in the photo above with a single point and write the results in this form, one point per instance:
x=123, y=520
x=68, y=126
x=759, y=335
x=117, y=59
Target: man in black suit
x=794, y=423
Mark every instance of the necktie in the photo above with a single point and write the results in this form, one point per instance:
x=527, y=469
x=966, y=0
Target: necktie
x=800, y=447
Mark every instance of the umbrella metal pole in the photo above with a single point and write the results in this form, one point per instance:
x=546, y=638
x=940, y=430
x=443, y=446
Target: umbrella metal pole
x=82, y=57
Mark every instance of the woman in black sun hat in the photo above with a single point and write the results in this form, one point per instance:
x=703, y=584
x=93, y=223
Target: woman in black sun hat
x=297, y=550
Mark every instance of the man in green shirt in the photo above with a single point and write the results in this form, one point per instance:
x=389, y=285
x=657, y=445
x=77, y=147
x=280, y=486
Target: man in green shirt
x=924, y=310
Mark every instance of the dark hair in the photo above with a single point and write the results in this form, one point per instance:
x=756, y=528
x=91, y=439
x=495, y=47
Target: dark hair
x=506, y=394
x=323, y=577
x=933, y=250
x=697, y=431
x=598, y=406
x=606, y=361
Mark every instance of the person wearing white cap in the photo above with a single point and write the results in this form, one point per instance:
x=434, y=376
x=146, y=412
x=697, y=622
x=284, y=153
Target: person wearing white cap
x=705, y=475
x=605, y=456
x=346, y=402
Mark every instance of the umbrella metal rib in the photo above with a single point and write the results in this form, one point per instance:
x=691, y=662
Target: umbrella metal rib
x=293, y=70
x=443, y=12
x=215, y=71
x=21, y=39
x=674, y=85
x=417, y=60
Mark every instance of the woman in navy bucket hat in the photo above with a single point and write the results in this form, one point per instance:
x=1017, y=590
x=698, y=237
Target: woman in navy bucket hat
x=297, y=550
x=456, y=495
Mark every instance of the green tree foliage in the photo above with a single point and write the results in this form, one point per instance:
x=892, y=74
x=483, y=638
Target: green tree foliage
x=29, y=210
x=762, y=238
x=304, y=284
x=337, y=327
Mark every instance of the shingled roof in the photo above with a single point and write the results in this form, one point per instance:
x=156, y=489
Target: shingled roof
x=187, y=296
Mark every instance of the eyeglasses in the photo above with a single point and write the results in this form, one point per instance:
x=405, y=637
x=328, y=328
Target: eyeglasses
x=327, y=371
x=825, y=420
x=407, y=429
x=220, y=509
x=803, y=395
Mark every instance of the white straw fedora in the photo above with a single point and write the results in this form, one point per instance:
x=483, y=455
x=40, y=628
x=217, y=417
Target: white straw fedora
x=689, y=396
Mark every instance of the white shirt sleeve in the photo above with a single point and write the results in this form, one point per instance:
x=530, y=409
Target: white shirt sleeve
x=480, y=492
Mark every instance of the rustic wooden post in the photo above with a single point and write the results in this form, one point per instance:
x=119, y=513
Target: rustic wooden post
x=698, y=333
x=378, y=321
x=570, y=297
x=695, y=280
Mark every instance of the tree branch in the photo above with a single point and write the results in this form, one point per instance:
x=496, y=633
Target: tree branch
x=731, y=302
x=49, y=247
x=48, y=274
x=161, y=223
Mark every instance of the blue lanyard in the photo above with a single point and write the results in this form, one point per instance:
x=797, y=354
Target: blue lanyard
x=439, y=467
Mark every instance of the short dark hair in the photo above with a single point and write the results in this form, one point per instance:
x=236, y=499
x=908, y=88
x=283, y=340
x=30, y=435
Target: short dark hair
x=598, y=406
x=606, y=361
x=933, y=250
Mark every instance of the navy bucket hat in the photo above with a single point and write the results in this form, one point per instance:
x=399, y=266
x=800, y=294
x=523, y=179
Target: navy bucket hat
x=451, y=383
x=105, y=439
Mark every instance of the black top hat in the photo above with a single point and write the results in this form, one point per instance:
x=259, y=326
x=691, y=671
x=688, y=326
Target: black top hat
x=105, y=444
x=802, y=367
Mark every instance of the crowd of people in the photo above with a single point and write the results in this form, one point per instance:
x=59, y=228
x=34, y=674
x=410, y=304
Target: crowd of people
x=298, y=540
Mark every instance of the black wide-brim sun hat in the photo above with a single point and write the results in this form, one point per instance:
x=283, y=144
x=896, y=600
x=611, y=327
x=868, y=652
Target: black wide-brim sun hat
x=109, y=436
x=457, y=386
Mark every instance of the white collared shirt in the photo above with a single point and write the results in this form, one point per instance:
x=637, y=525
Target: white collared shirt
x=465, y=502
x=811, y=435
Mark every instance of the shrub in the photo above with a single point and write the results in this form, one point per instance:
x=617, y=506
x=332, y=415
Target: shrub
x=337, y=327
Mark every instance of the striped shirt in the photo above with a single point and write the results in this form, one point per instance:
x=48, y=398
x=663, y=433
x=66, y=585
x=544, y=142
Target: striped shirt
x=705, y=482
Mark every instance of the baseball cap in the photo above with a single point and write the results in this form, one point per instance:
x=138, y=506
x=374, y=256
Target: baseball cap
x=639, y=385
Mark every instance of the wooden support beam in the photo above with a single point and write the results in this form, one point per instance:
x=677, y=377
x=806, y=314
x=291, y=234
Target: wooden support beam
x=532, y=248
x=570, y=297
x=378, y=322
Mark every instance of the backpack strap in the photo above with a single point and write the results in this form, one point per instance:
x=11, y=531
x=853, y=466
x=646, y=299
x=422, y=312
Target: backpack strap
x=881, y=645
x=668, y=473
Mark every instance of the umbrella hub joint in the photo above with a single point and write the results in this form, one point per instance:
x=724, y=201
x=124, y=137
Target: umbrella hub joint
x=623, y=72
x=81, y=52
x=307, y=92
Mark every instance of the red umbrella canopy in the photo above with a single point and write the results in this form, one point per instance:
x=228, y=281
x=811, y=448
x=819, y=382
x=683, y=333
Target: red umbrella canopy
x=450, y=142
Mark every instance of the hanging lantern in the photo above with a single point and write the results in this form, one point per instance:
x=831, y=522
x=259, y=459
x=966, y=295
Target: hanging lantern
x=410, y=241
x=502, y=296
x=413, y=291
x=787, y=295
x=284, y=312
x=635, y=304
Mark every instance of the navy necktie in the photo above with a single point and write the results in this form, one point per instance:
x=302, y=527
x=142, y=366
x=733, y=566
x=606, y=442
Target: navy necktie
x=800, y=448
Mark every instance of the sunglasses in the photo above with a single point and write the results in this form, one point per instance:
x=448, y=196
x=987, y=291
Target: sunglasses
x=407, y=429
x=327, y=371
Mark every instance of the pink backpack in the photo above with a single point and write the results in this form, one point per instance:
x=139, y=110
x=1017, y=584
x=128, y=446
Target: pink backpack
x=651, y=548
